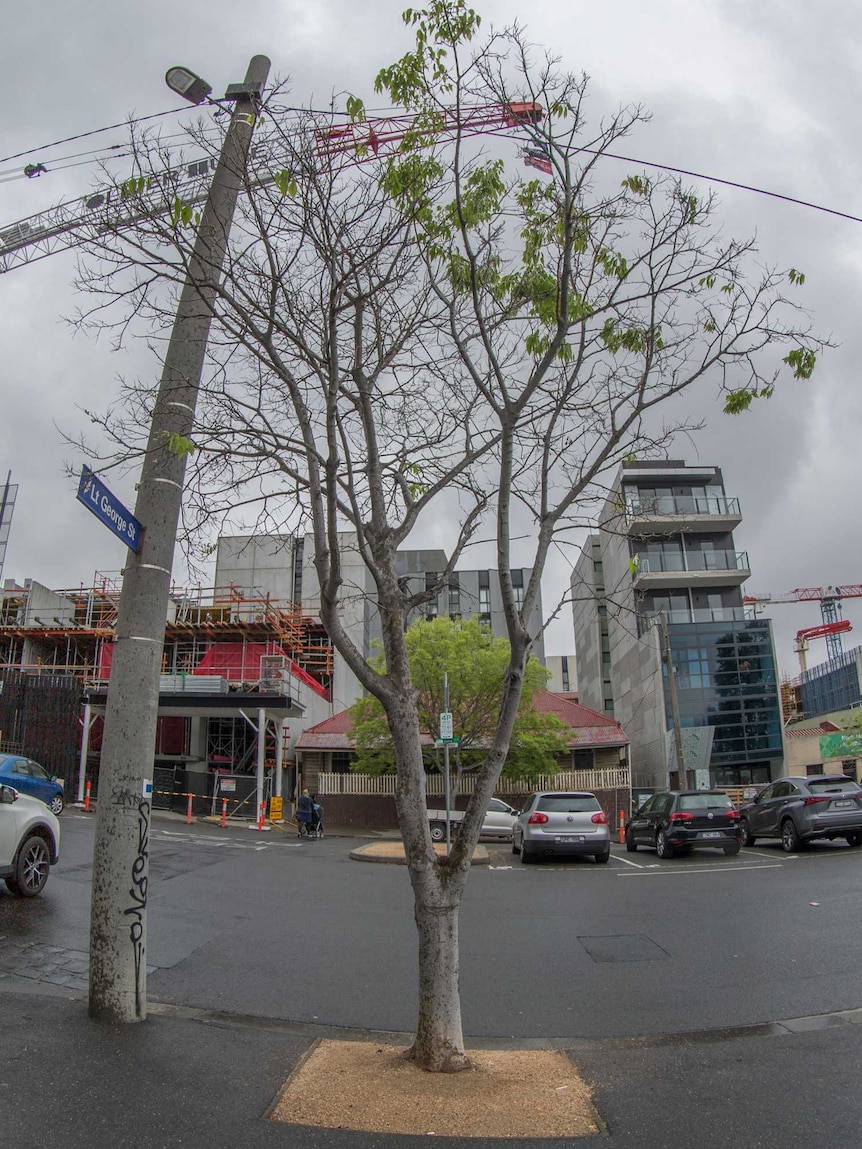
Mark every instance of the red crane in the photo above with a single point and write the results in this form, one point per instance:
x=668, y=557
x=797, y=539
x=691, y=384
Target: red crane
x=833, y=625
x=71, y=223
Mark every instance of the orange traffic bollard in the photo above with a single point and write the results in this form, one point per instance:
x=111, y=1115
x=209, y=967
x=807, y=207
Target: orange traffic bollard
x=622, y=826
x=224, y=811
x=189, y=811
x=87, y=798
x=261, y=817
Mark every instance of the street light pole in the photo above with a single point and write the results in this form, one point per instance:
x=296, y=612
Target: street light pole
x=118, y=918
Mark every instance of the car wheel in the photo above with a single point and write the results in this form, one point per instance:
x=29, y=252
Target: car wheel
x=790, y=840
x=732, y=849
x=605, y=856
x=748, y=838
x=56, y=804
x=854, y=840
x=438, y=832
x=527, y=856
x=662, y=846
x=31, y=868
x=631, y=844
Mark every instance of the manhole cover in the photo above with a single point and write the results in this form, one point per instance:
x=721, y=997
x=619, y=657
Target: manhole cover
x=623, y=947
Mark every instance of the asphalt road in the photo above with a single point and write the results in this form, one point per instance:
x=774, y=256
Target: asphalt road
x=265, y=925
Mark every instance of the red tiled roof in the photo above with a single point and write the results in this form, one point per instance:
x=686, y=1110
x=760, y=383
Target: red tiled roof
x=589, y=727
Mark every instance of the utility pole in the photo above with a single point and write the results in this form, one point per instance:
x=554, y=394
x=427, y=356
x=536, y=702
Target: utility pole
x=118, y=919
x=674, y=705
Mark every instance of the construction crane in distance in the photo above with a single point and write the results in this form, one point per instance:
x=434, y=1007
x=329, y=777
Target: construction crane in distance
x=74, y=222
x=832, y=626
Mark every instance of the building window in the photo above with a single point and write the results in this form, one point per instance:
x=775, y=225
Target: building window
x=340, y=762
x=584, y=759
x=484, y=597
x=454, y=596
x=564, y=672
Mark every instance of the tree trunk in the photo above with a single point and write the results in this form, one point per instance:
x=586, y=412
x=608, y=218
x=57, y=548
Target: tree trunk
x=439, y=1043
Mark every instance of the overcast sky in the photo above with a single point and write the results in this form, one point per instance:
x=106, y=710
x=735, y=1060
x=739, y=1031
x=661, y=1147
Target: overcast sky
x=762, y=93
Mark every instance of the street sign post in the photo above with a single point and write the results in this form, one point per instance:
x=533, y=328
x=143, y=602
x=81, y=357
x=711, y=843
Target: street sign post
x=105, y=505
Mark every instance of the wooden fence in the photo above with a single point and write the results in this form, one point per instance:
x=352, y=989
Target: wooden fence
x=384, y=784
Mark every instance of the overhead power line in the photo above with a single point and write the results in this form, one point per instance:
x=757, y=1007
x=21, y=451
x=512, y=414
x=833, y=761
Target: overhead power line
x=94, y=132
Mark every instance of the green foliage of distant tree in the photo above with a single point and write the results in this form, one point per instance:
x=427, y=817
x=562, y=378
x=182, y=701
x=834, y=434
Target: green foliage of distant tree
x=475, y=661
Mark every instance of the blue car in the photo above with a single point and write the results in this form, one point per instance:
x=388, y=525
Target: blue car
x=28, y=777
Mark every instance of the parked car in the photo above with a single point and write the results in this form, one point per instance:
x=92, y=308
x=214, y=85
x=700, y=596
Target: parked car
x=798, y=810
x=499, y=819
x=677, y=821
x=554, y=823
x=29, y=842
x=28, y=777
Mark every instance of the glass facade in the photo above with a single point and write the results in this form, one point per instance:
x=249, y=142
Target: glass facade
x=725, y=676
x=831, y=686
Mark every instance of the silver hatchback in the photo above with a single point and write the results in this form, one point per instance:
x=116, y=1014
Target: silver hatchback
x=555, y=823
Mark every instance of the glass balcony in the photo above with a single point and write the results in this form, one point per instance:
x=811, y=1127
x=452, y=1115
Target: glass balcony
x=693, y=561
x=660, y=514
x=649, y=619
x=681, y=505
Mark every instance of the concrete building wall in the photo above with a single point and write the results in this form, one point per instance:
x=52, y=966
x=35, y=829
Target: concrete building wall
x=260, y=564
x=587, y=626
x=561, y=668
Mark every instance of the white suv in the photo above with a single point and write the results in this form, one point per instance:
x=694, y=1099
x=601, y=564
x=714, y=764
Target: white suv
x=29, y=842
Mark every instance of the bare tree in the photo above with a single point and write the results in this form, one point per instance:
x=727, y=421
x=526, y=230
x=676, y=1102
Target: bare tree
x=403, y=324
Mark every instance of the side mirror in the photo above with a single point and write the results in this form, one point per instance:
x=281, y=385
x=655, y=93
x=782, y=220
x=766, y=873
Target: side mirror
x=8, y=795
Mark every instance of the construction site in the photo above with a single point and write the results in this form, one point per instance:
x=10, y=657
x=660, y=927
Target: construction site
x=227, y=654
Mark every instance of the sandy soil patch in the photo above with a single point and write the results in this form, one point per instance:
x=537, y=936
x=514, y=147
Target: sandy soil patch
x=392, y=850
x=369, y=1087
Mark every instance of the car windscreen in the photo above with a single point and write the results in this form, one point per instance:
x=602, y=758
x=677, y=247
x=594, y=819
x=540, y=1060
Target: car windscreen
x=568, y=803
x=832, y=786
x=704, y=802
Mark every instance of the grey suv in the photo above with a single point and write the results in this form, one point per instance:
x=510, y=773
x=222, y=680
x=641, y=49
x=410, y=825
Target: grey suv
x=797, y=810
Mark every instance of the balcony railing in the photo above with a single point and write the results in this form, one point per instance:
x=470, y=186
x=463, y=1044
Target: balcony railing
x=649, y=619
x=692, y=561
x=655, y=505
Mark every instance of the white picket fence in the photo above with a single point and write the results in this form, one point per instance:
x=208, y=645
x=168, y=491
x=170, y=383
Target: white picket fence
x=598, y=779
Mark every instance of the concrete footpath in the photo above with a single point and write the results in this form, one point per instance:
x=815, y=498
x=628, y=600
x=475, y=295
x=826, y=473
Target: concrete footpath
x=198, y=1079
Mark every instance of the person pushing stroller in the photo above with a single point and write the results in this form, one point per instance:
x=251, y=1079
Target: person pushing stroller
x=309, y=817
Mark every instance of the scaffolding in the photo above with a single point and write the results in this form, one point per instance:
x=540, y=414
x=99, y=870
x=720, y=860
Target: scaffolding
x=73, y=633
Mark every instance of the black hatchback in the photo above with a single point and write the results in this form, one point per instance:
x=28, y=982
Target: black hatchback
x=677, y=821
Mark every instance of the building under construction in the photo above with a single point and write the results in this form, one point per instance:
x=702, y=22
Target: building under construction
x=227, y=653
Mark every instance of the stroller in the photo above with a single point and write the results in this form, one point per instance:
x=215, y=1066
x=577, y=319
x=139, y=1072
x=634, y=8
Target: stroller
x=314, y=828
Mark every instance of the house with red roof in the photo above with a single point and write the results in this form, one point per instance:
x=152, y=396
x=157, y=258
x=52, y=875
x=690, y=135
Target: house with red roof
x=596, y=759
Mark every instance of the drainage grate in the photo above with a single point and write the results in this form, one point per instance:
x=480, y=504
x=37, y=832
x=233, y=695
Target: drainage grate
x=623, y=947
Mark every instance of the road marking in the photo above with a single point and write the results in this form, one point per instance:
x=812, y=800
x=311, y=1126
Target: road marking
x=637, y=865
x=198, y=838
x=718, y=868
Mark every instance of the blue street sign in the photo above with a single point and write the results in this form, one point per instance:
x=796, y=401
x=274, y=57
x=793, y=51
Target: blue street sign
x=96, y=497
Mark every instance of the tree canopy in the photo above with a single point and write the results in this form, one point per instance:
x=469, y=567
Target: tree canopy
x=475, y=662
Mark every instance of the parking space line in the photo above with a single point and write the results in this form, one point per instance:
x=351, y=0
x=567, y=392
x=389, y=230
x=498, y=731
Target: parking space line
x=718, y=868
x=629, y=862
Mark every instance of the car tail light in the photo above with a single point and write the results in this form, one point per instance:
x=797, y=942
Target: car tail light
x=732, y=813
x=681, y=816
x=537, y=819
x=600, y=819
x=814, y=801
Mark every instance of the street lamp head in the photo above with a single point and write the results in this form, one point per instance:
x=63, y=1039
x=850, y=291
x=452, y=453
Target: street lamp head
x=187, y=85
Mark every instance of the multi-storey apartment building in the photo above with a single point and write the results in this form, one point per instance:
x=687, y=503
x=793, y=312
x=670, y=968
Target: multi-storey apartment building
x=663, y=571
x=282, y=566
